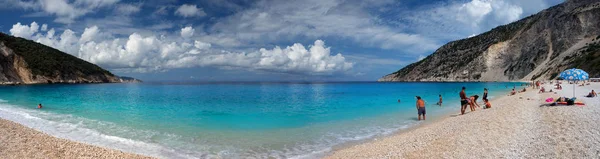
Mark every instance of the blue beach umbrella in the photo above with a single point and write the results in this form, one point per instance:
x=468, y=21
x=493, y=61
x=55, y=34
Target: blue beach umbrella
x=574, y=75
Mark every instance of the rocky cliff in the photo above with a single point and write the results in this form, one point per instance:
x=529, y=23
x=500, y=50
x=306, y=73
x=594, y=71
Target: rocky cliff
x=24, y=61
x=537, y=47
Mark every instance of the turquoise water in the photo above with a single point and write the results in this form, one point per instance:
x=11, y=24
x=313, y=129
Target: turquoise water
x=230, y=120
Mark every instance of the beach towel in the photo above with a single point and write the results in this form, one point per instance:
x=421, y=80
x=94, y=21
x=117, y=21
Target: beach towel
x=566, y=103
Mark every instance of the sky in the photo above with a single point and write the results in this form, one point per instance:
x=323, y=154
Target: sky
x=264, y=40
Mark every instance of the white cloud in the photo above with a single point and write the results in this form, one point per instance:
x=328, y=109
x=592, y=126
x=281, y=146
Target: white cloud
x=142, y=53
x=475, y=11
x=506, y=12
x=187, y=32
x=456, y=20
x=89, y=34
x=313, y=19
x=44, y=27
x=187, y=10
x=24, y=31
x=201, y=45
x=65, y=11
x=127, y=9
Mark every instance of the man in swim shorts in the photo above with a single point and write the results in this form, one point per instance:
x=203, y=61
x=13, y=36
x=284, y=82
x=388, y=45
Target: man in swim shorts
x=421, y=107
x=463, y=101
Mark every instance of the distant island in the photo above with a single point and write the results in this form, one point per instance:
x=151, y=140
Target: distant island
x=24, y=61
x=537, y=47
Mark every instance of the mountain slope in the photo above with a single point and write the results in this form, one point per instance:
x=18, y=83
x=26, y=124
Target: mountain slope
x=24, y=61
x=534, y=48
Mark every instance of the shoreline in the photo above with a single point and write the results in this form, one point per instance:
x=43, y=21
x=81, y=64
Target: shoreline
x=20, y=141
x=428, y=122
x=437, y=117
x=513, y=128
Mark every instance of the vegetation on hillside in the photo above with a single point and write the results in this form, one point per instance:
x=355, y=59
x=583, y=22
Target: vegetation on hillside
x=47, y=61
x=588, y=59
x=465, y=49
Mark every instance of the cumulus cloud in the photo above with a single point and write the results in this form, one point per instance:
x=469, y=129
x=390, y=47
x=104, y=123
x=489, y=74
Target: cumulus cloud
x=143, y=53
x=89, y=34
x=506, y=12
x=187, y=10
x=187, y=32
x=44, y=27
x=475, y=11
x=24, y=31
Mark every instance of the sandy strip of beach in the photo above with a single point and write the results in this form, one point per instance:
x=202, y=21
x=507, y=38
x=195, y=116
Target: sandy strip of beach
x=18, y=141
x=514, y=127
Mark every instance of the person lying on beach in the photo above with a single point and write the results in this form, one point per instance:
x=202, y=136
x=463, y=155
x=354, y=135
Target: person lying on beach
x=473, y=102
x=512, y=92
x=523, y=90
x=487, y=104
x=420, y=107
x=558, y=86
x=542, y=90
x=40, y=106
x=592, y=94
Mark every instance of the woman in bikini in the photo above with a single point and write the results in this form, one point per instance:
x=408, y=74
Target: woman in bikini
x=473, y=102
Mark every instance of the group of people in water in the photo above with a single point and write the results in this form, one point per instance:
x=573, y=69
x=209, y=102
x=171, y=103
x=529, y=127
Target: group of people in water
x=471, y=102
x=466, y=102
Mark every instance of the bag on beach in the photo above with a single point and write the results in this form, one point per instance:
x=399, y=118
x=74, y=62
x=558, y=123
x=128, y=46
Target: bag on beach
x=571, y=101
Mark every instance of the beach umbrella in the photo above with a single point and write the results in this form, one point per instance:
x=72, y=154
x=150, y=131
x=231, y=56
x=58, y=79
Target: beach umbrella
x=574, y=75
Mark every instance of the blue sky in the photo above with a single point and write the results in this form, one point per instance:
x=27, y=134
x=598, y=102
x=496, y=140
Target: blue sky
x=272, y=40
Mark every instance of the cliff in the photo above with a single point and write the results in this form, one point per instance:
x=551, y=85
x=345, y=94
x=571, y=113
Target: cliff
x=24, y=61
x=537, y=47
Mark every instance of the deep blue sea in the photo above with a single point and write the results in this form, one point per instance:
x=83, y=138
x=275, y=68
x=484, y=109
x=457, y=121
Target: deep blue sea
x=229, y=120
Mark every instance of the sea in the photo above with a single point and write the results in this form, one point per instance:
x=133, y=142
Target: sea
x=231, y=119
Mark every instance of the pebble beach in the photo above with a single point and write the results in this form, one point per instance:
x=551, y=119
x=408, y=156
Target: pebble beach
x=519, y=126
x=19, y=141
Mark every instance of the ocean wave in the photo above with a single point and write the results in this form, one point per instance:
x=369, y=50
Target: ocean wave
x=90, y=131
x=34, y=118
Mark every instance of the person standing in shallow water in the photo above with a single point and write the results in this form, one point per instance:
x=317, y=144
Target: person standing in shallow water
x=485, y=93
x=464, y=101
x=440, y=102
x=421, y=107
x=40, y=106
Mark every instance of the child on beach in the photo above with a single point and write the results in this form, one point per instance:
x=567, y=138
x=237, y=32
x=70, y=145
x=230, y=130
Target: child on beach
x=512, y=92
x=420, y=107
x=487, y=104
